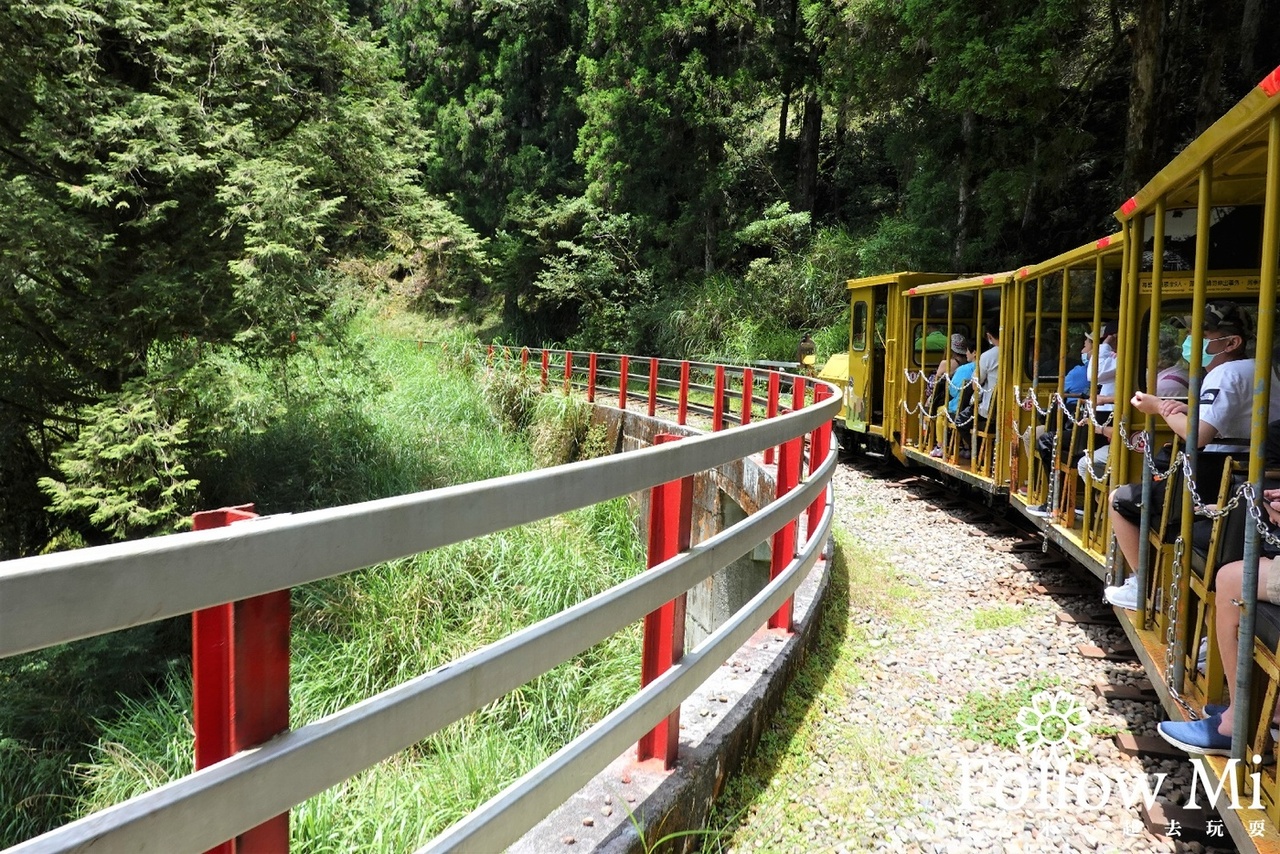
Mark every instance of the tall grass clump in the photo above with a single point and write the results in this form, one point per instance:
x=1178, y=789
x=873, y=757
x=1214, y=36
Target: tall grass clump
x=417, y=417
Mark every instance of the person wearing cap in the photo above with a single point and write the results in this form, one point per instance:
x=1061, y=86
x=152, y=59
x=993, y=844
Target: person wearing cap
x=955, y=385
x=1226, y=414
x=806, y=354
x=956, y=357
x=1106, y=376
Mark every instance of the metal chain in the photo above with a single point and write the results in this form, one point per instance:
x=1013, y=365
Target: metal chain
x=1171, y=630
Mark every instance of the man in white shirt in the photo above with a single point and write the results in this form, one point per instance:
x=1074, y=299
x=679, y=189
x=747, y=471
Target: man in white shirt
x=1226, y=414
x=1106, y=363
x=988, y=373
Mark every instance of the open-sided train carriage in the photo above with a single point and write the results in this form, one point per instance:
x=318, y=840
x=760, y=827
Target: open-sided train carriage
x=1205, y=228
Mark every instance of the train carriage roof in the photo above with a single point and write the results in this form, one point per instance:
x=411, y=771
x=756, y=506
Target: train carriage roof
x=1237, y=144
x=967, y=283
x=905, y=278
x=1107, y=246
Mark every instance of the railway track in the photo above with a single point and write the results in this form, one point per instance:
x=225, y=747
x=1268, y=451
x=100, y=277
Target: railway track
x=994, y=620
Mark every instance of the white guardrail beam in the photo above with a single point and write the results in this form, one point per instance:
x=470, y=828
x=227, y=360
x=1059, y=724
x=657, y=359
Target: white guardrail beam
x=52, y=599
x=219, y=802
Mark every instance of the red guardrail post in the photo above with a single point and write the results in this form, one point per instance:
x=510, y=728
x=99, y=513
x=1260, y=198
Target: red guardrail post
x=670, y=523
x=653, y=387
x=490, y=356
x=240, y=674
x=568, y=371
x=771, y=409
x=819, y=447
x=784, y=539
x=748, y=394
x=717, y=408
x=546, y=368
x=591, y=378
x=624, y=367
x=683, y=414
x=797, y=394
x=524, y=358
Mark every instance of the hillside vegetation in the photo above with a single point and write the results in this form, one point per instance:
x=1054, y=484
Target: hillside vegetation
x=88, y=724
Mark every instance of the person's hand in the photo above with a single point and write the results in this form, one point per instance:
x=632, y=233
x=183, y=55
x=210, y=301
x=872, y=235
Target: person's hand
x=1169, y=406
x=1147, y=403
x=1271, y=503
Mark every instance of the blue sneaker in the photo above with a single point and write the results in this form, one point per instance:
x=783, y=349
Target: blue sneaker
x=1197, y=737
x=1211, y=709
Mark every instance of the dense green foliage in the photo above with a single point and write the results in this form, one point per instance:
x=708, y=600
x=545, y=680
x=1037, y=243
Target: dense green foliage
x=174, y=173
x=188, y=183
x=402, y=420
x=198, y=195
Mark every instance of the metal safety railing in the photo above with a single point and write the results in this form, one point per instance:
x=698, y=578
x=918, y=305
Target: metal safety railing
x=57, y=598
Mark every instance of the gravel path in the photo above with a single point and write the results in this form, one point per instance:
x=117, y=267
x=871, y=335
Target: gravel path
x=953, y=640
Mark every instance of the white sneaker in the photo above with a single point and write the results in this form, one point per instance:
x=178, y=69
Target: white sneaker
x=1125, y=595
x=1202, y=657
x=1040, y=510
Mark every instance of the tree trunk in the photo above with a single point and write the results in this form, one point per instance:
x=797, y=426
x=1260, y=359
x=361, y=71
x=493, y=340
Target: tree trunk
x=1140, y=135
x=783, y=118
x=1209, y=100
x=810, y=136
x=1250, y=26
x=967, y=121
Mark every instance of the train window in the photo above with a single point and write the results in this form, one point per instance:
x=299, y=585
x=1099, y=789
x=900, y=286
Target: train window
x=1235, y=238
x=860, y=326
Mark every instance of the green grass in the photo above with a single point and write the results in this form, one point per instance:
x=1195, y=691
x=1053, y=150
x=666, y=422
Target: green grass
x=993, y=717
x=397, y=420
x=999, y=617
x=758, y=809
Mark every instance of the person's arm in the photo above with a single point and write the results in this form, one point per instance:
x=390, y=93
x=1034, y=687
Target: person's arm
x=1174, y=413
x=1106, y=364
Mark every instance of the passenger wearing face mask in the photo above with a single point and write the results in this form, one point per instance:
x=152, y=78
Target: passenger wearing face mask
x=1226, y=412
x=1106, y=376
x=1173, y=379
x=1075, y=387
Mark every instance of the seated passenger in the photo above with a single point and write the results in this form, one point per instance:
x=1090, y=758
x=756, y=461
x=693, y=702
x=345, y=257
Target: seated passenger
x=1212, y=734
x=962, y=374
x=937, y=390
x=988, y=371
x=1173, y=379
x=1075, y=386
x=1226, y=410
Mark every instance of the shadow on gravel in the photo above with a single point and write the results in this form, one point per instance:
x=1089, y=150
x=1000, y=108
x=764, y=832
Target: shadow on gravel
x=748, y=786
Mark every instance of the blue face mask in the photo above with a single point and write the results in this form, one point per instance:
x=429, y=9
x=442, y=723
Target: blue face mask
x=1205, y=356
x=1084, y=359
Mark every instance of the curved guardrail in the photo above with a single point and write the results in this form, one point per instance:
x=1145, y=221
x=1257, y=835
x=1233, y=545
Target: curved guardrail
x=57, y=598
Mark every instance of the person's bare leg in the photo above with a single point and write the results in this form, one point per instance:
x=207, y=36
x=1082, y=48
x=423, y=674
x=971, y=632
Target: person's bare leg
x=1229, y=585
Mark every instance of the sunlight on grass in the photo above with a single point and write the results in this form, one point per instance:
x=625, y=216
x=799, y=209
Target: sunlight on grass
x=999, y=617
x=761, y=807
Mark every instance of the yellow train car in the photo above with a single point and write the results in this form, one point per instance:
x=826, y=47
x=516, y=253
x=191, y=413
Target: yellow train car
x=1106, y=356
x=959, y=427
x=868, y=370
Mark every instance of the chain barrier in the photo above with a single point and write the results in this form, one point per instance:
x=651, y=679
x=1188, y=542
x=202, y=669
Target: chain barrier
x=1171, y=619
